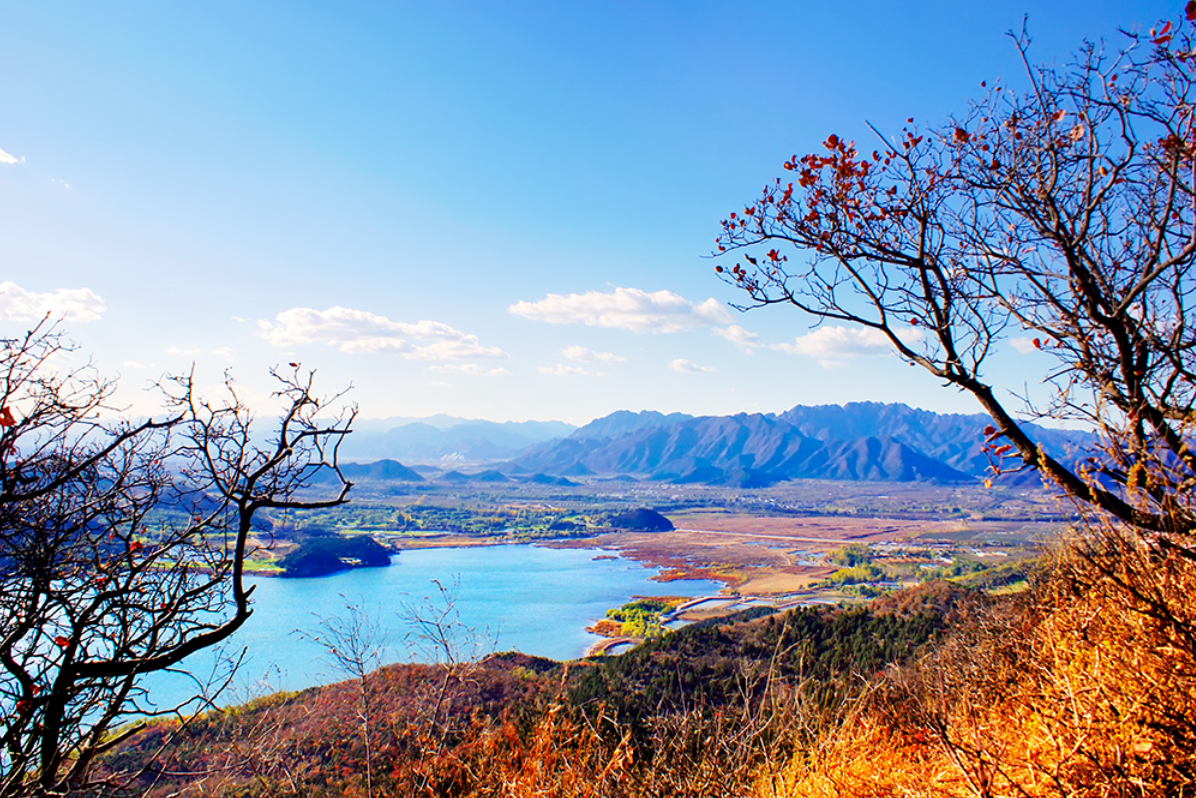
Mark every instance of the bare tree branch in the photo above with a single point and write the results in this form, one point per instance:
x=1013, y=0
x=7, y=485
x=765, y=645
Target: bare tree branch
x=123, y=546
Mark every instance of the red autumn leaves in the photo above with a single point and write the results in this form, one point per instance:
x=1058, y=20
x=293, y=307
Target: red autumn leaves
x=840, y=198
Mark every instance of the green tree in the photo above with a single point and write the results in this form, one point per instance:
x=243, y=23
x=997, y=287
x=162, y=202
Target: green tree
x=851, y=554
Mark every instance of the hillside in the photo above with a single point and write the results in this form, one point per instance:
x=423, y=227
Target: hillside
x=380, y=470
x=320, y=556
x=619, y=725
x=858, y=441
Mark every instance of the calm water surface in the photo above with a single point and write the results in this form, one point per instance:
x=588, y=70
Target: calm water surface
x=526, y=598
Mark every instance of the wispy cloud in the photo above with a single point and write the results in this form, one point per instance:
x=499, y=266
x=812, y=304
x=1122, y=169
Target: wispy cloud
x=561, y=370
x=1023, y=345
x=832, y=345
x=583, y=355
x=71, y=304
x=738, y=336
x=10, y=159
x=688, y=367
x=178, y=351
x=626, y=309
x=359, y=331
x=470, y=368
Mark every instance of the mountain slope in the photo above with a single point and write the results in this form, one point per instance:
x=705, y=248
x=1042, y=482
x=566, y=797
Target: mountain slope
x=623, y=422
x=955, y=440
x=676, y=449
x=745, y=450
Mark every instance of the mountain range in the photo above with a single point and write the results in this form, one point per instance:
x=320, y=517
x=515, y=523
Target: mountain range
x=856, y=441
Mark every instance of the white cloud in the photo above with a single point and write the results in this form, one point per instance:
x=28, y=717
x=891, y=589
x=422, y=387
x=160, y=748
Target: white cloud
x=360, y=331
x=71, y=304
x=223, y=352
x=838, y=342
x=10, y=159
x=180, y=352
x=561, y=370
x=469, y=368
x=687, y=367
x=625, y=309
x=583, y=355
x=1023, y=345
x=738, y=336
x=136, y=365
x=831, y=345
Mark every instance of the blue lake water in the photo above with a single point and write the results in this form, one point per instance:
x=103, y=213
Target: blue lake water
x=525, y=598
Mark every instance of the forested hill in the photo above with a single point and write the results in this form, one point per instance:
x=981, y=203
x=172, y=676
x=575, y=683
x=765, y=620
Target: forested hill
x=512, y=719
x=865, y=441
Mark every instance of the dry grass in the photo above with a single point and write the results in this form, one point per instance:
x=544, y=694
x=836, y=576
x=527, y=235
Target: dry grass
x=1086, y=690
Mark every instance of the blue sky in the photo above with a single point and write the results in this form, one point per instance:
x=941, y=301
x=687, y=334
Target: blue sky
x=491, y=210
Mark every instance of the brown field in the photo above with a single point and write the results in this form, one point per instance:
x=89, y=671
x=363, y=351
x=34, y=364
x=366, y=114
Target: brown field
x=771, y=582
x=823, y=532
x=754, y=555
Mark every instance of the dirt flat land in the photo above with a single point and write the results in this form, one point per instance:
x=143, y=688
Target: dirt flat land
x=771, y=582
x=827, y=531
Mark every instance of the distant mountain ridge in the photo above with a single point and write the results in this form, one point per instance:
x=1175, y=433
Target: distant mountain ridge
x=858, y=441
x=954, y=439
x=855, y=441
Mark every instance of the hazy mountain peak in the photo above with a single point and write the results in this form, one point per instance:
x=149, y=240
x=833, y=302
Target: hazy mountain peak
x=435, y=438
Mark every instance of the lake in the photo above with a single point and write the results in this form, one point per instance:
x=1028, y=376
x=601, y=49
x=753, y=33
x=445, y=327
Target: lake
x=523, y=597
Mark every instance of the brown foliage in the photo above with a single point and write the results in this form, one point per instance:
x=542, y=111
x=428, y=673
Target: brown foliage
x=1086, y=687
x=1063, y=213
x=509, y=733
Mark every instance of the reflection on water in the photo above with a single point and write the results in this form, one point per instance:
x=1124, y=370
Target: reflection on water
x=526, y=598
